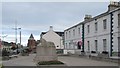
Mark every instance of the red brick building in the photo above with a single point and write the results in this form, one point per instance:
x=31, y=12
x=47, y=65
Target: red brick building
x=31, y=43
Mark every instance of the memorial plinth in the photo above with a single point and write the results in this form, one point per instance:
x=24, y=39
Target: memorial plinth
x=45, y=51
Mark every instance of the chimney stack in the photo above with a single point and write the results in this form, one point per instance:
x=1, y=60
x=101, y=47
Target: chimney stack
x=113, y=5
x=87, y=17
x=51, y=28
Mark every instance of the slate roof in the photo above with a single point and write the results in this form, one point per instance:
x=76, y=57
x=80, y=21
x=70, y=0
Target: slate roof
x=59, y=33
x=31, y=36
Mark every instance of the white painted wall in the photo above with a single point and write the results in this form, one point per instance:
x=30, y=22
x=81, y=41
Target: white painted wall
x=102, y=34
x=73, y=48
x=55, y=38
x=93, y=35
x=98, y=35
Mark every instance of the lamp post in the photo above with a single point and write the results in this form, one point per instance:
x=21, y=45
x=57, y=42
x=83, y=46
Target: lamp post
x=16, y=37
x=20, y=35
x=16, y=28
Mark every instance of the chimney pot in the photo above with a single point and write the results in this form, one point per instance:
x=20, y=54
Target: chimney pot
x=87, y=17
x=51, y=27
x=113, y=5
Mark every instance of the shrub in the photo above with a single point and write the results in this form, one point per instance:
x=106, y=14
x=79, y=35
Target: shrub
x=50, y=63
x=93, y=51
x=5, y=53
x=1, y=66
x=82, y=51
x=105, y=52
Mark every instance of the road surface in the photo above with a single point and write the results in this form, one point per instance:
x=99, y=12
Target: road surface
x=69, y=61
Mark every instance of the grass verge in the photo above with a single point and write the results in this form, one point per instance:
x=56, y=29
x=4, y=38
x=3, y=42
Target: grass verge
x=50, y=63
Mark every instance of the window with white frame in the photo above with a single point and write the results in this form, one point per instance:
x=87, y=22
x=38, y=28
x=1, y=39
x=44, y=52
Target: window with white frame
x=69, y=46
x=88, y=28
x=66, y=35
x=118, y=20
x=78, y=31
x=69, y=34
x=96, y=26
x=65, y=45
x=73, y=32
x=96, y=45
x=88, y=45
x=104, y=44
x=105, y=24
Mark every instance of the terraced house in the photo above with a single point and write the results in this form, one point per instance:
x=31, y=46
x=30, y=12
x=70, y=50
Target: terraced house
x=96, y=35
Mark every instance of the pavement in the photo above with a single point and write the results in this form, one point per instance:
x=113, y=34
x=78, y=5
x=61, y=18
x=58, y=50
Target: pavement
x=68, y=60
x=77, y=61
x=115, y=57
x=20, y=61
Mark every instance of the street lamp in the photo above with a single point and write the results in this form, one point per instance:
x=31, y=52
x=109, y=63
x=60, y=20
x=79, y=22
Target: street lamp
x=20, y=35
x=16, y=37
x=16, y=28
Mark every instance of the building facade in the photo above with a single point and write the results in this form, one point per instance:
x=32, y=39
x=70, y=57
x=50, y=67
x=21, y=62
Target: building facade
x=55, y=37
x=99, y=34
x=73, y=39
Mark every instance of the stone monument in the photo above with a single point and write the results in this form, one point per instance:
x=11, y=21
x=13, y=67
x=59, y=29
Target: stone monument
x=45, y=51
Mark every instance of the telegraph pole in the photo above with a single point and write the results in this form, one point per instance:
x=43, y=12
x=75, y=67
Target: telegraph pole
x=16, y=32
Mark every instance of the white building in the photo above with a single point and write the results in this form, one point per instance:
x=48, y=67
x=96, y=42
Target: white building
x=73, y=38
x=99, y=34
x=55, y=37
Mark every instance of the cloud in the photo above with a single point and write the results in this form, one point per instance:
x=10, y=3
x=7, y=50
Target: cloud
x=35, y=17
x=57, y=0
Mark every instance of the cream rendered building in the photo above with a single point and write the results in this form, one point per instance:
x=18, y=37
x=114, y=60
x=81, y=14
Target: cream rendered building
x=55, y=37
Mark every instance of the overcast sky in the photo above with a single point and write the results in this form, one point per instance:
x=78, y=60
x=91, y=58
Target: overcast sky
x=35, y=17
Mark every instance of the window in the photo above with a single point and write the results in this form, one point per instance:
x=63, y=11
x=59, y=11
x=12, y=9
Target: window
x=69, y=34
x=73, y=32
x=65, y=45
x=96, y=45
x=96, y=27
x=78, y=30
x=118, y=20
x=69, y=46
x=104, y=45
x=88, y=45
x=105, y=24
x=88, y=28
x=66, y=34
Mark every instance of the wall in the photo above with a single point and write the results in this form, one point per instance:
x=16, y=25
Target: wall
x=72, y=39
x=55, y=38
